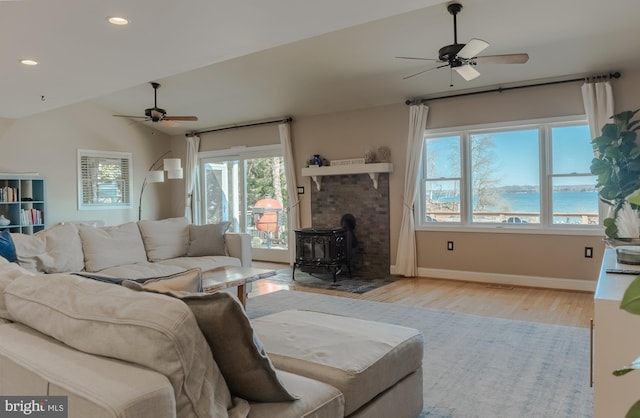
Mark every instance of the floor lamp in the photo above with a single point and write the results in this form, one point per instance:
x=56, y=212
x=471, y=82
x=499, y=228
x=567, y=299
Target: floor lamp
x=172, y=166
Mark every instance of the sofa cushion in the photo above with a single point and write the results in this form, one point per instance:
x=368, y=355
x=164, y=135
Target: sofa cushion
x=8, y=272
x=7, y=247
x=28, y=249
x=208, y=239
x=317, y=400
x=53, y=250
x=243, y=362
x=167, y=238
x=63, y=249
x=95, y=386
x=111, y=246
x=361, y=358
x=144, y=328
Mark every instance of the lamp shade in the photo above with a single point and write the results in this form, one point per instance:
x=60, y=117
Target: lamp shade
x=174, y=174
x=155, y=176
x=172, y=164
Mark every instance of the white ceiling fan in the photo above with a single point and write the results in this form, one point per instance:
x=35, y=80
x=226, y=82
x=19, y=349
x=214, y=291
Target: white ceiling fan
x=464, y=57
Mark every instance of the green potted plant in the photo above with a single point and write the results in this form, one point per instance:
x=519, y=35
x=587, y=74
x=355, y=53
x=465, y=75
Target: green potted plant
x=617, y=165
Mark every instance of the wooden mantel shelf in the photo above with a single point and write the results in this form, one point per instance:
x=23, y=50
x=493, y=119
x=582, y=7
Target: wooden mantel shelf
x=373, y=170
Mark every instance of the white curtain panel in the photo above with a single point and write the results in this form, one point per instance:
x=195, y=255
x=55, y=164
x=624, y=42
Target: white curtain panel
x=598, y=105
x=191, y=186
x=406, y=260
x=292, y=187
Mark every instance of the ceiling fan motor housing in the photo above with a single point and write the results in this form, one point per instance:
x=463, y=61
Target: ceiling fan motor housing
x=449, y=53
x=155, y=113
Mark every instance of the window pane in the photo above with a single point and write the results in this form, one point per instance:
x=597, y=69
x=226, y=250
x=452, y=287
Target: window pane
x=266, y=201
x=575, y=200
x=572, y=150
x=442, y=201
x=442, y=157
x=505, y=177
x=442, y=171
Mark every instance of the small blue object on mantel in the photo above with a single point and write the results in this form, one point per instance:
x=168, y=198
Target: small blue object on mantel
x=317, y=160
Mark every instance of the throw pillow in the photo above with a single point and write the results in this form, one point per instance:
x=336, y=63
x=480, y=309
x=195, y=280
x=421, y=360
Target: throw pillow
x=63, y=249
x=207, y=239
x=7, y=247
x=246, y=368
x=111, y=246
x=28, y=249
x=164, y=239
x=188, y=281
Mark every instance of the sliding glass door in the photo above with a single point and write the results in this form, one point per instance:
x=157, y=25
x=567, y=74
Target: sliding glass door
x=248, y=188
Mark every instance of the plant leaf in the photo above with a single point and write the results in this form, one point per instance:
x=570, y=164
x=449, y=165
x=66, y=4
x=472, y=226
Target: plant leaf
x=622, y=372
x=634, y=412
x=631, y=299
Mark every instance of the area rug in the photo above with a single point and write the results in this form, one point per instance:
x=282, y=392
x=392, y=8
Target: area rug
x=343, y=282
x=475, y=367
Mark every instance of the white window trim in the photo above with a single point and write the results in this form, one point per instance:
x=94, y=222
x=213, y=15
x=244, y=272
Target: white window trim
x=545, y=179
x=103, y=154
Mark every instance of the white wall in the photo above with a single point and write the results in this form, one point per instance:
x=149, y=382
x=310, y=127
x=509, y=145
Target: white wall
x=47, y=143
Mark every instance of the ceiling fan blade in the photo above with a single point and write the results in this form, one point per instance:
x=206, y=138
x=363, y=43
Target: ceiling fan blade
x=416, y=58
x=473, y=48
x=128, y=116
x=189, y=118
x=424, y=71
x=467, y=72
x=502, y=59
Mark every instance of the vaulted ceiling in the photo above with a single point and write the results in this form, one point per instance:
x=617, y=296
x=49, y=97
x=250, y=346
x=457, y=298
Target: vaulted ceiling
x=230, y=62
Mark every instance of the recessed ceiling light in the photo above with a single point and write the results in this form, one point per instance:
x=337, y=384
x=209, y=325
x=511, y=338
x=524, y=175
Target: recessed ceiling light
x=115, y=20
x=28, y=62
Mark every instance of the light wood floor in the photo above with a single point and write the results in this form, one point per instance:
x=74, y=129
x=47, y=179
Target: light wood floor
x=552, y=306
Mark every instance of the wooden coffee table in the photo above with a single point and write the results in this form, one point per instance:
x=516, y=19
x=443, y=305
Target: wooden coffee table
x=223, y=277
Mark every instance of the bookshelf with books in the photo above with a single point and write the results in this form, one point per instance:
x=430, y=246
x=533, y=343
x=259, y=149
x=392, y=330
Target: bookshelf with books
x=22, y=202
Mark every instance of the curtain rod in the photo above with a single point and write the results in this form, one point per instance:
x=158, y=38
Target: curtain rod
x=501, y=89
x=242, y=125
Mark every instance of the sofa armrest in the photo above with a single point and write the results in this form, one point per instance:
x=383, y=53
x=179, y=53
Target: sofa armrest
x=239, y=246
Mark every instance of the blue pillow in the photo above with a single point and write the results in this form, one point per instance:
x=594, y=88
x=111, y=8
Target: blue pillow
x=7, y=247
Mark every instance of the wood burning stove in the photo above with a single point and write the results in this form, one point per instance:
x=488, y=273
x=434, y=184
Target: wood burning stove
x=325, y=250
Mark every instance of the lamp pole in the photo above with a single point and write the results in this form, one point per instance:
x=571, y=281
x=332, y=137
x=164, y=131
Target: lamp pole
x=153, y=166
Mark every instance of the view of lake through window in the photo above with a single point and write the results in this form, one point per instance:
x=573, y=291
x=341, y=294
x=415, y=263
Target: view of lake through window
x=537, y=175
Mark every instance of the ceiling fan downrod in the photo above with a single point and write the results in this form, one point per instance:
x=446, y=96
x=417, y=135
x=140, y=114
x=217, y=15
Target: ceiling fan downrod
x=454, y=9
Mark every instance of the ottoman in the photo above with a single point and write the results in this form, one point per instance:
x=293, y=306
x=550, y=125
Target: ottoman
x=376, y=366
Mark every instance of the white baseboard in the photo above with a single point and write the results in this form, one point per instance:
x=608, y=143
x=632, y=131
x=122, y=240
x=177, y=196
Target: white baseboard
x=507, y=279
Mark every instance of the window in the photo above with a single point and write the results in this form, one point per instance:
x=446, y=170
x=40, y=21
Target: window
x=104, y=180
x=247, y=186
x=533, y=174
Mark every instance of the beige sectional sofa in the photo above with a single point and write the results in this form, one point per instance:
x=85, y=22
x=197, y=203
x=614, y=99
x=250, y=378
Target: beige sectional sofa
x=136, y=350
x=132, y=250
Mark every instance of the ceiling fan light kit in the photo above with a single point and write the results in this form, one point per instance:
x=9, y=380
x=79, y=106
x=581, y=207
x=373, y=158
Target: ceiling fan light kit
x=462, y=57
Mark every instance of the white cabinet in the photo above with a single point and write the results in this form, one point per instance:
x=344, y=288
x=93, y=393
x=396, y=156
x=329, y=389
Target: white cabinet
x=22, y=202
x=616, y=343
